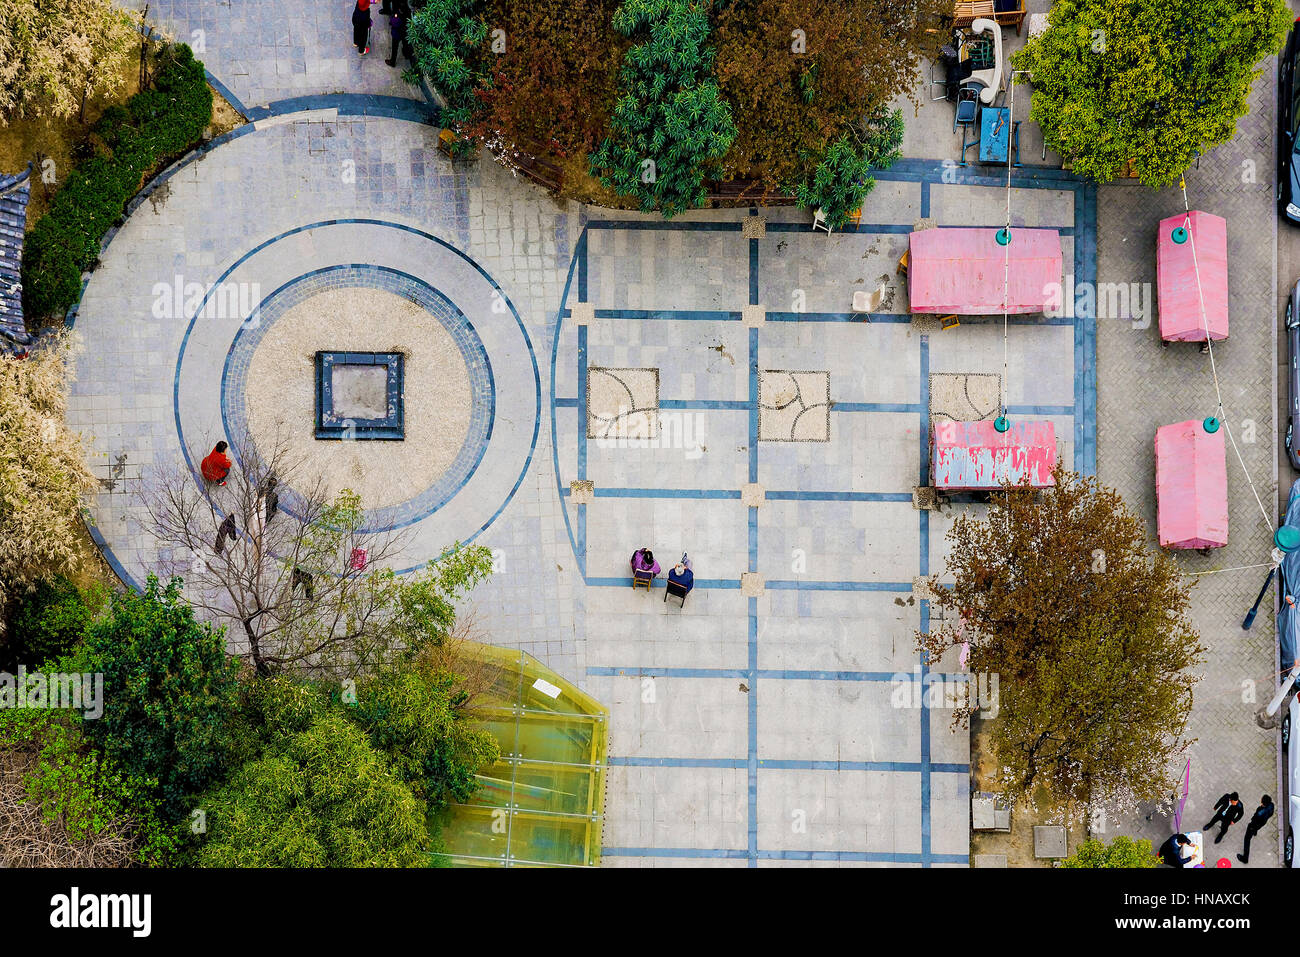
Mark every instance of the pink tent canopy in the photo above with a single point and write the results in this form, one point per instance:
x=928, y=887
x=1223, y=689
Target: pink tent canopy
x=1191, y=486
x=961, y=271
x=974, y=456
x=1180, y=299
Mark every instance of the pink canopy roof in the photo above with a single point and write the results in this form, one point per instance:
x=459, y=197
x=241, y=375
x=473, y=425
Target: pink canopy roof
x=974, y=456
x=961, y=271
x=1191, y=486
x=1180, y=300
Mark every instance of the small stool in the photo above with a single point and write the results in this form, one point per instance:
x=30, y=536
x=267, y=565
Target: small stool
x=901, y=268
x=950, y=322
x=642, y=577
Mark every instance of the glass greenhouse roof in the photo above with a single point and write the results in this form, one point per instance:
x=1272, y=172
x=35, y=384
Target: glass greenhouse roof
x=542, y=803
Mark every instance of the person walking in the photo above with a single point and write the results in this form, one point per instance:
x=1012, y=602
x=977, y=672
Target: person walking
x=361, y=27
x=1227, y=809
x=268, y=497
x=397, y=22
x=226, y=533
x=1256, y=823
x=216, y=465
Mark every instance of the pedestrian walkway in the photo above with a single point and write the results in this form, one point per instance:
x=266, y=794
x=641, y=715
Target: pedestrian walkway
x=1142, y=386
x=263, y=51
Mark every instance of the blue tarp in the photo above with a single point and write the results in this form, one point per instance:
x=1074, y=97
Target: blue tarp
x=1288, y=616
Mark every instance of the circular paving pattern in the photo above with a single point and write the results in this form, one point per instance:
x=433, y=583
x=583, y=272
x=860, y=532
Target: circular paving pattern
x=472, y=386
x=268, y=387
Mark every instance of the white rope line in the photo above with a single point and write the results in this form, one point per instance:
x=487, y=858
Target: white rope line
x=1235, y=568
x=1214, y=369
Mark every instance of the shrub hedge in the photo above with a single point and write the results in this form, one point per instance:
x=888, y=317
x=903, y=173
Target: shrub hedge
x=154, y=127
x=50, y=622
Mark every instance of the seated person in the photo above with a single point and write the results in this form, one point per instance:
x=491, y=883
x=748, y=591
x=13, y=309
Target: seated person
x=681, y=574
x=1172, y=851
x=643, y=560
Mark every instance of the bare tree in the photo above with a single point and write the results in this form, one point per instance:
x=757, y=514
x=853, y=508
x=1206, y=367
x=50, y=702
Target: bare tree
x=295, y=571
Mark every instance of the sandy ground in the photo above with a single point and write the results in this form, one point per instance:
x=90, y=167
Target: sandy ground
x=281, y=396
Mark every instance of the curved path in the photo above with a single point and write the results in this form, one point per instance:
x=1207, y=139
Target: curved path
x=288, y=201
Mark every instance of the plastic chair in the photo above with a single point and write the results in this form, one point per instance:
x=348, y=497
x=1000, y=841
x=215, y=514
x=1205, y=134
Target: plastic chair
x=967, y=108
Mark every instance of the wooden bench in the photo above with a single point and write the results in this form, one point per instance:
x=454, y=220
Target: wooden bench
x=538, y=170
x=966, y=12
x=745, y=192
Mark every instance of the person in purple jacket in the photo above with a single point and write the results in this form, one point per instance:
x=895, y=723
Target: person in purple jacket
x=643, y=560
x=397, y=22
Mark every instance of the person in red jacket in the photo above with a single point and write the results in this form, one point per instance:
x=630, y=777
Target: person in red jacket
x=361, y=26
x=217, y=465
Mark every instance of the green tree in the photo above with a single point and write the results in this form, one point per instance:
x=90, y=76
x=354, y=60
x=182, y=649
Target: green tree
x=447, y=37
x=416, y=715
x=169, y=691
x=1123, y=851
x=1086, y=627
x=50, y=621
x=62, y=804
x=798, y=74
x=670, y=125
x=1154, y=82
x=842, y=180
x=319, y=797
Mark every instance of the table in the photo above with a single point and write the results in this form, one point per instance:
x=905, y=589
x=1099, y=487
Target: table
x=996, y=136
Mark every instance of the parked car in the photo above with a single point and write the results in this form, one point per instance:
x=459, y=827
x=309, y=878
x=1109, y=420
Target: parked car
x=1292, y=440
x=1291, y=746
x=1288, y=137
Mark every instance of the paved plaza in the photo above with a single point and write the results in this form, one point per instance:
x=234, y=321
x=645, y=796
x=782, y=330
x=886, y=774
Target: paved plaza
x=697, y=385
x=779, y=442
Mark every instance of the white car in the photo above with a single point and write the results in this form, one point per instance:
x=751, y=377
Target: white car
x=1291, y=745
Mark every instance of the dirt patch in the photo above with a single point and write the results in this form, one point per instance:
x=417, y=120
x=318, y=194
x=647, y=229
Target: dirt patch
x=579, y=184
x=1018, y=845
x=91, y=568
x=49, y=144
x=224, y=116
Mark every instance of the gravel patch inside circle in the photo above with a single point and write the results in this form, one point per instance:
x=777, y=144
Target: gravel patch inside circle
x=280, y=395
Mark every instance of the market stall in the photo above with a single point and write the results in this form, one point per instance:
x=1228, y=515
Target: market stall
x=976, y=457
x=1191, y=486
x=1185, y=285
x=961, y=271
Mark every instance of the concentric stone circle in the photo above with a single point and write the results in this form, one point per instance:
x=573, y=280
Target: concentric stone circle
x=268, y=387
